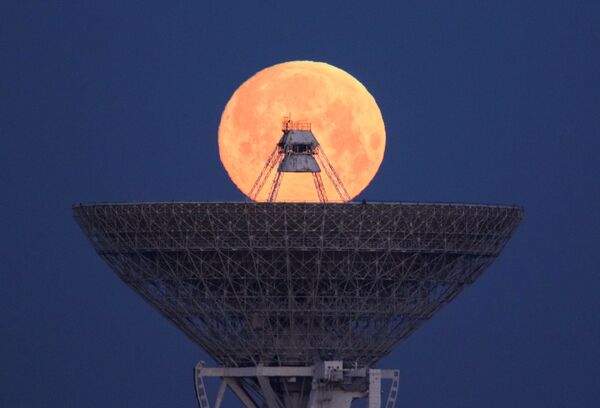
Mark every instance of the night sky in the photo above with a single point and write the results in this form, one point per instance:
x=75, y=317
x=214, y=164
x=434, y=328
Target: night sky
x=484, y=102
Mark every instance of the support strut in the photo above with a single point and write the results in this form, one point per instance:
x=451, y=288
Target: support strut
x=273, y=160
x=325, y=164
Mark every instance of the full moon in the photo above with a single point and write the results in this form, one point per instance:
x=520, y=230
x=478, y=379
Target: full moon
x=345, y=120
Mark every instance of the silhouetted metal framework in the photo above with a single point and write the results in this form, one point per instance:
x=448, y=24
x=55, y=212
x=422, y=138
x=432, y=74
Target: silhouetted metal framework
x=292, y=284
x=298, y=151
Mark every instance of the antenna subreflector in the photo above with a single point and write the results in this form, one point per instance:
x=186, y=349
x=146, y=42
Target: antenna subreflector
x=298, y=151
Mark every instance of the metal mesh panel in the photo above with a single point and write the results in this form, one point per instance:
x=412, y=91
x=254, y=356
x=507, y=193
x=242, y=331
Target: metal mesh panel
x=291, y=284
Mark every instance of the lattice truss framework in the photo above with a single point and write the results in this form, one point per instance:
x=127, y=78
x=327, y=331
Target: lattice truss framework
x=291, y=284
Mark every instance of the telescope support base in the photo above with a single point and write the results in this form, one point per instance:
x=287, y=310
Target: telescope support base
x=325, y=385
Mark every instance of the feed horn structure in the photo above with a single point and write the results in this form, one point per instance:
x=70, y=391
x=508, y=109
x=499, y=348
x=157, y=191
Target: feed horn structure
x=298, y=151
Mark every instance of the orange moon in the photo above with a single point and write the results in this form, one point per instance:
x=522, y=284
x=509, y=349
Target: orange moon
x=345, y=120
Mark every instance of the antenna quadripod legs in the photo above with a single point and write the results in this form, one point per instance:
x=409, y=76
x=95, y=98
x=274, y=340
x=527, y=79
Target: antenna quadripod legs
x=324, y=385
x=298, y=151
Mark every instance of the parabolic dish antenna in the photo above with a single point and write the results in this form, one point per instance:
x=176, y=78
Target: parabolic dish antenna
x=298, y=301
x=297, y=285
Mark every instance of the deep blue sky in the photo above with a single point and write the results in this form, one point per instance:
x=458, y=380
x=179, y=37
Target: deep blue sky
x=494, y=102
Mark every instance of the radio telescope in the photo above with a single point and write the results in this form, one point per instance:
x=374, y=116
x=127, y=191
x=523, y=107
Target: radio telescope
x=297, y=303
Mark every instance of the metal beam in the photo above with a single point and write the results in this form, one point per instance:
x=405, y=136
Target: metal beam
x=393, y=394
x=220, y=393
x=200, y=389
x=233, y=383
x=374, y=388
x=257, y=371
x=267, y=390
